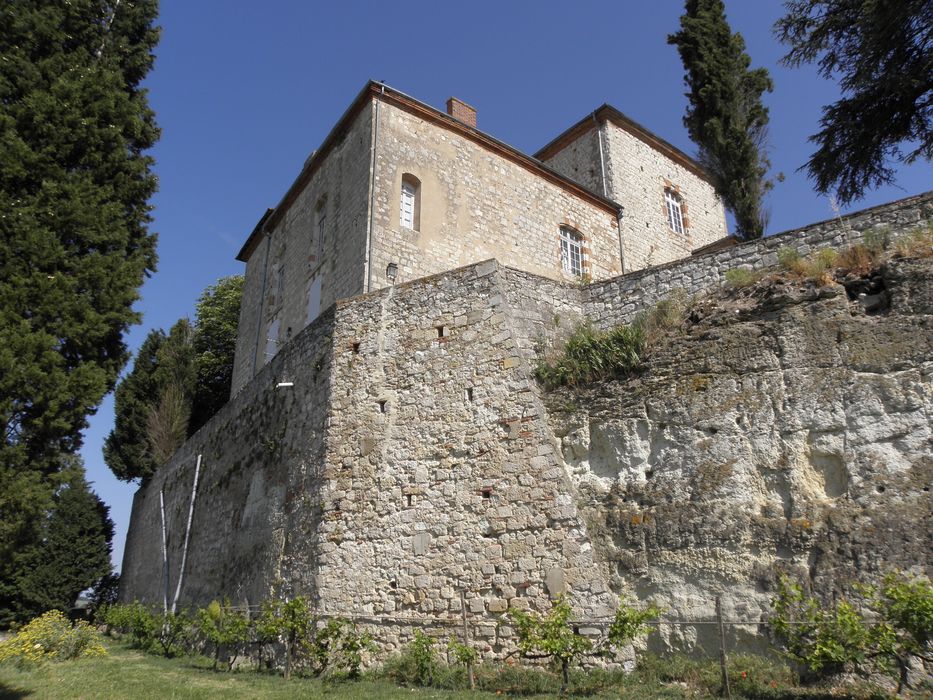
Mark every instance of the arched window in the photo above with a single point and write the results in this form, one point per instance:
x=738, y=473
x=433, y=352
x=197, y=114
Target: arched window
x=410, y=204
x=571, y=251
x=675, y=210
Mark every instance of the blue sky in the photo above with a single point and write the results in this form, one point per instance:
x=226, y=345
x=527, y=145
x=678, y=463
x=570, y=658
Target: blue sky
x=244, y=91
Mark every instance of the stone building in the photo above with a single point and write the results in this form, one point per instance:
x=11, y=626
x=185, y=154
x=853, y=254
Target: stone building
x=400, y=190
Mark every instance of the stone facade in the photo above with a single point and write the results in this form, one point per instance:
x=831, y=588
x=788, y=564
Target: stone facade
x=397, y=451
x=609, y=153
x=339, y=231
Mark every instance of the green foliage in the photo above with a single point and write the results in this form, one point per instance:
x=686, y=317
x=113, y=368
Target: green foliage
x=463, y=654
x=726, y=117
x=877, y=239
x=172, y=632
x=550, y=636
x=225, y=628
x=74, y=244
x=832, y=639
x=666, y=314
x=134, y=619
x=126, y=449
x=337, y=647
x=178, y=381
x=72, y=554
x=417, y=665
x=880, y=53
x=630, y=623
x=51, y=637
x=817, y=267
x=740, y=277
x=216, y=318
x=825, y=639
x=590, y=355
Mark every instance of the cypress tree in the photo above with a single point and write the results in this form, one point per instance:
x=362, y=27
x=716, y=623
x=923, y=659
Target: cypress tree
x=74, y=239
x=725, y=117
x=217, y=317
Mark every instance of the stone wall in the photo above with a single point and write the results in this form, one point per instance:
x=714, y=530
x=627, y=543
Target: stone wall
x=339, y=190
x=617, y=300
x=475, y=204
x=636, y=176
x=409, y=455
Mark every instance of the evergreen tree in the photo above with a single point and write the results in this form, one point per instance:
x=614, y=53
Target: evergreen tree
x=217, y=317
x=726, y=117
x=126, y=449
x=152, y=404
x=882, y=53
x=74, y=244
x=74, y=553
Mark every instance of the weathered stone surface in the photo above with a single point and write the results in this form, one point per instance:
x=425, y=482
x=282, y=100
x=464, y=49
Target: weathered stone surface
x=783, y=430
x=791, y=437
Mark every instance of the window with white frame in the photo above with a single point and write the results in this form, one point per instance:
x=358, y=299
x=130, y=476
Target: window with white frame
x=675, y=210
x=409, y=204
x=571, y=251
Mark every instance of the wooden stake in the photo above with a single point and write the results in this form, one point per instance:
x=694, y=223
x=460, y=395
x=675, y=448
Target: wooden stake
x=722, y=649
x=466, y=636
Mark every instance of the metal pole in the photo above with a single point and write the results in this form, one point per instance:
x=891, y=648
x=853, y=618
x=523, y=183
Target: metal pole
x=722, y=649
x=184, y=551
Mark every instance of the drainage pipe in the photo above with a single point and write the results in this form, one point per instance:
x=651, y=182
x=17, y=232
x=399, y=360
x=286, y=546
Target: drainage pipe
x=372, y=195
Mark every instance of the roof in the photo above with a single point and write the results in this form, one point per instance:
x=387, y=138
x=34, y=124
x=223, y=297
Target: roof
x=609, y=113
x=373, y=90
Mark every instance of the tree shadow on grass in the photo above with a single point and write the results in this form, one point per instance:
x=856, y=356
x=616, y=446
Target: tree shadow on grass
x=8, y=693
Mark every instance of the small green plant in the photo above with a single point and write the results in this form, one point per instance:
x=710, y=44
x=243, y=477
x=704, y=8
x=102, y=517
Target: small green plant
x=916, y=244
x=51, y=637
x=417, y=664
x=877, y=239
x=590, y=355
x=134, y=619
x=225, y=628
x=630, y=623
x=789, y=259
x=172, y=632
x=466, y=656
x=293, y=622
x=830, y=639
x=339, y=646
x=739, y=277
x=551, y=636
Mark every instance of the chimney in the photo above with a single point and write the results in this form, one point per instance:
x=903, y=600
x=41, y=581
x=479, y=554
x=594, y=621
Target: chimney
x=461, y=111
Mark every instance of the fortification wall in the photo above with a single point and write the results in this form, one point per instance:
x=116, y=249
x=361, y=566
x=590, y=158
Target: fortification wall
x=616, y=301
x=411, y=455
x=254, y=517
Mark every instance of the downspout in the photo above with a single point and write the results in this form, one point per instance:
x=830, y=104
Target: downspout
x=602, y=160
x=262, y=296
x=372, y=195
x=619, y=212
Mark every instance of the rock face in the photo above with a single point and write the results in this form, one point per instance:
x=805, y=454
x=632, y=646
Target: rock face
x=783, y=429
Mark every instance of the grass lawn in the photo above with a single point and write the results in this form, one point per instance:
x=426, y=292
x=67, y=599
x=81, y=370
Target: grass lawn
x=132, y=675
x=127, y=674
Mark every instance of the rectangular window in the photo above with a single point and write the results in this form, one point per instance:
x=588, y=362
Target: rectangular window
x=675, y=215
x=314, y=298
x=571, y=251
x=272, y=339
x=407, y=218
